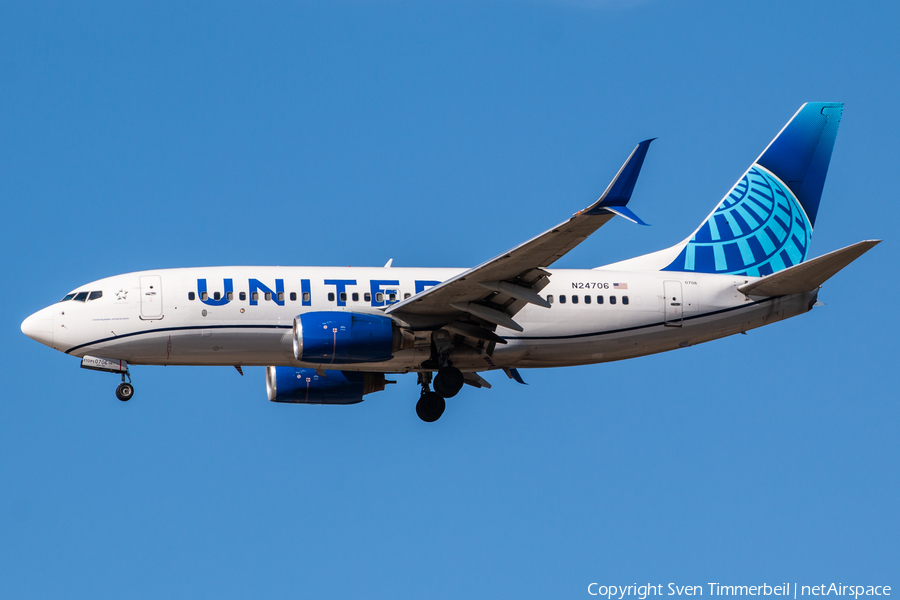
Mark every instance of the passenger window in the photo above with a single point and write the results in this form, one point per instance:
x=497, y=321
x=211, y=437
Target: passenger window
x=379, y=297
x=367, y=297
x=406, y=295
x=254, y=296
x=355, y=296
x=281, y=296
x=269, y=296
x=599, y=299
x=217, y=296
x=612, y=299
x=68, y=297
x=392, y=297
x=343, y=296
x=229, y=296
x=191, y=296
x=306, y=296
x=203, y=296
x=331, y=296
x=242, y=296
x=95, y=295
x=550, y=298
x=624, y=299
x=562, y=298
x=293, y=296
x=574, y=299
x=587, y=299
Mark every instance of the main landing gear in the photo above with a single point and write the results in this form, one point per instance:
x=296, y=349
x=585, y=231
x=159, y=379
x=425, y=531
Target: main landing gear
x=447, y=383
x=430, y=406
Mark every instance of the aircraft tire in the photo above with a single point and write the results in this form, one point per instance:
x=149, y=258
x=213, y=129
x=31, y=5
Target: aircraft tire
x=430, y=407
x=124, y=392
x=448, y=382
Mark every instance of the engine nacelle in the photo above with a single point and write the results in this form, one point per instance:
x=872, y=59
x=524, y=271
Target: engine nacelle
x=341, y=338
x=305, y=386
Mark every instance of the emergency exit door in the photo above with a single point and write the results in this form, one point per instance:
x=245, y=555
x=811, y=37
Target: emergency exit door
x=151, y=297
x=674, y=303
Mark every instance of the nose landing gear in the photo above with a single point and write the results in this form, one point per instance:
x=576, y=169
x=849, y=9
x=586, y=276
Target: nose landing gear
x=111, y=365
x=125, y=391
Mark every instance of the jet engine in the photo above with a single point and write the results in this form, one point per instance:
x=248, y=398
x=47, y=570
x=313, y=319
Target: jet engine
x=306, y=386
x=335, y=337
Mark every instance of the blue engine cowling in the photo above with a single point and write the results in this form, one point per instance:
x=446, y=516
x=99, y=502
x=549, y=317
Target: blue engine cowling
x=305, y=386
x=340, y=338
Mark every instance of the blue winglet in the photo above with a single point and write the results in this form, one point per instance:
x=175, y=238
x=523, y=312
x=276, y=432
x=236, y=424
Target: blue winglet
x=620, y=189
x=626, y=213
x=514, y=374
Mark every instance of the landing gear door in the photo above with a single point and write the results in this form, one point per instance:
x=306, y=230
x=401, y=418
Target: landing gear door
x=674, y=303
x=151, y=297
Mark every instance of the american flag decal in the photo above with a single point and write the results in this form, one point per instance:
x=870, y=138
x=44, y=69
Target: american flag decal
x=620, y=286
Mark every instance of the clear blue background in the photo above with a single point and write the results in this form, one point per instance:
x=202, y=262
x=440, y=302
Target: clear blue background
x=439, y=134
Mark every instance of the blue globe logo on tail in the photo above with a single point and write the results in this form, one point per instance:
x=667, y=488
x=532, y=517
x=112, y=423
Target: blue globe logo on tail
x=758, y=228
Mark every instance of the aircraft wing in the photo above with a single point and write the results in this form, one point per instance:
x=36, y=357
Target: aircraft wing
x=496, y=290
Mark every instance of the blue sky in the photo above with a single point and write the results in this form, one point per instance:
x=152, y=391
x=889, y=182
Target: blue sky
x=439, y=134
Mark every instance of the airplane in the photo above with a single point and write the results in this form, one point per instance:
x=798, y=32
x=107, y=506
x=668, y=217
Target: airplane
x=330, y=335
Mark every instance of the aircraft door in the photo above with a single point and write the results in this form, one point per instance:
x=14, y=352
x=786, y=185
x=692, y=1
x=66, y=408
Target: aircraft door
x=151, y=297
x=673, y=302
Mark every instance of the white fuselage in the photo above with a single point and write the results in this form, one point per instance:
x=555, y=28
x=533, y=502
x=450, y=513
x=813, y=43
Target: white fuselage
x=163, y=317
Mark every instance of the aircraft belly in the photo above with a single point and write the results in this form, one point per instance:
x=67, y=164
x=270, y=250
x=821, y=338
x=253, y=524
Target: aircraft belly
x=616, y=337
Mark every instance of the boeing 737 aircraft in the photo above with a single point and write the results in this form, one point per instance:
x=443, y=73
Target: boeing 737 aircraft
x=329, y=335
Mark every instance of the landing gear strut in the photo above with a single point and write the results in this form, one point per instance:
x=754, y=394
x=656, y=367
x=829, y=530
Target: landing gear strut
x=431, y=405
x=125, y=390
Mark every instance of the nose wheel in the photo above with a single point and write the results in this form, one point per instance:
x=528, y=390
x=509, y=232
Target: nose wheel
x=124, y=392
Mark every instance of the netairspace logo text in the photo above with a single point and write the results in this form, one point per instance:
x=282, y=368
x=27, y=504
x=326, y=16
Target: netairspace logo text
x=641, y=592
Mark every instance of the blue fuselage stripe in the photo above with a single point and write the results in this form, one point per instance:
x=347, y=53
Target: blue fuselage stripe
x=549, y=337
x=187, y=328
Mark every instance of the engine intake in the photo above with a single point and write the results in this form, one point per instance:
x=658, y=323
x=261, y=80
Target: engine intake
x=306, y=386
x=336, y=337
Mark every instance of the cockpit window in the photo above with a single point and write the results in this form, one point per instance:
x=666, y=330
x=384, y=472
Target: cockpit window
x=68, y=297
x=81, y=296
x=95, y=295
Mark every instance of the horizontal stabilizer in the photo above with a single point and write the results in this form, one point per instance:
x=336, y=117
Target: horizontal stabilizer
x=809, y=275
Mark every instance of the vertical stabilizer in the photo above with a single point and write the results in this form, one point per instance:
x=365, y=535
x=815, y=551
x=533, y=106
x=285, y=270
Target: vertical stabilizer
x=764, y=224
x=800, y=155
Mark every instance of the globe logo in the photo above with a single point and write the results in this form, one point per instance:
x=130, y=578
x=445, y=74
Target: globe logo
x=757, y=229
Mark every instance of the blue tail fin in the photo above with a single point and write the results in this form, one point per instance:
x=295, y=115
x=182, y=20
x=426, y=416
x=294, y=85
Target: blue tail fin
x=764, y=224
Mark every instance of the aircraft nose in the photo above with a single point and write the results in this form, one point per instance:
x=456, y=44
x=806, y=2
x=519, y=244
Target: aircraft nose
x=39, y=327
